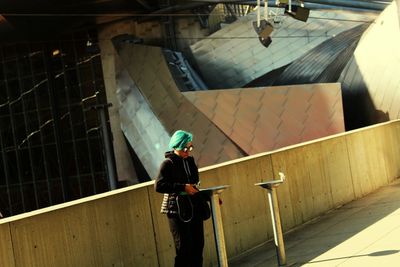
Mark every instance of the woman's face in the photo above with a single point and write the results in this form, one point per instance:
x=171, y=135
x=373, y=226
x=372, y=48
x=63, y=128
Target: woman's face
x=184, y=153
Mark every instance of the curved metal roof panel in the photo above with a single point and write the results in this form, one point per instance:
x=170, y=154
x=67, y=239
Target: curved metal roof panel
x=233, y=56
x=324, y=63
x=371, y=79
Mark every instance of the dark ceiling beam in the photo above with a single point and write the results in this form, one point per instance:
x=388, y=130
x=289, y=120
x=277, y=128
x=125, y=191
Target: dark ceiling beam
x=169, y=10
x=361, y=4
x=144, y=4
x=75, y=6
x=374, y=5
x=180, y=7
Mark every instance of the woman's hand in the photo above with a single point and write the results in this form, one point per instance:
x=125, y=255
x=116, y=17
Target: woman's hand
x=190, y=189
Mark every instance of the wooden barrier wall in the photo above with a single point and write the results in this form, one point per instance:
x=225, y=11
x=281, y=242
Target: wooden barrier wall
x=124, y=227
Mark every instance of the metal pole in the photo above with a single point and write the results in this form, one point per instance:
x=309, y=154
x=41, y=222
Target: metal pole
x=277, y=226
x=218, y=231
x=266, y=10
x=108, y=149
x=258, y=13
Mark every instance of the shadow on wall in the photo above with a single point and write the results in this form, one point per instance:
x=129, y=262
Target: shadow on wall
x=371, y=80
x=359, y=110
x=358, y=106
x=142, y=174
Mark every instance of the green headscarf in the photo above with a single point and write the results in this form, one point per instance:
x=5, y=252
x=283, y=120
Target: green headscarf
x=180, y=139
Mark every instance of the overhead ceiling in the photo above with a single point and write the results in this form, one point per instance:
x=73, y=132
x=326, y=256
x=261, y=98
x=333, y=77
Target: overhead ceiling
x=27, y=19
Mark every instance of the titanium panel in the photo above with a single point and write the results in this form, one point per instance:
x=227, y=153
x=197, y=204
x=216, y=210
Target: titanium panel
x=137, y=121
x=264, y=119
x=324, y=63
x=149, y=72
x=233, y=56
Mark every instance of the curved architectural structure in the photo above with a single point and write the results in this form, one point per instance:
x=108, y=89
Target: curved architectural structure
x=324, y=63
x=371, y=79
x=227, y=124
x=156, y=102
x=365, y=59
x=233, y=56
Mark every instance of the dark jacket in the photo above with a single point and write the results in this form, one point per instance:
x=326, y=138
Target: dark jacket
x=174, y=173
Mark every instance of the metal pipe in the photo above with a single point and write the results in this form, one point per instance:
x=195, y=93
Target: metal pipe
x=266, y=10
x=359, y=4
x=112, y=177
x=277, y=226
x=213, y=193
x=218, y=231
x=354, y=4
x=275, y=216
x=258, y=13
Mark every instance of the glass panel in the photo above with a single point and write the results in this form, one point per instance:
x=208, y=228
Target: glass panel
x=29, y=155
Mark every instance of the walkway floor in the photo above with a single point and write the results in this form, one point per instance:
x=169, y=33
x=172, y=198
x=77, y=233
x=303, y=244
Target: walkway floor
x=365, y=232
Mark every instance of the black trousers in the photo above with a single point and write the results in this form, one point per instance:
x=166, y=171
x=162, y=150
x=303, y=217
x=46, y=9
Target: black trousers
x=189, y=241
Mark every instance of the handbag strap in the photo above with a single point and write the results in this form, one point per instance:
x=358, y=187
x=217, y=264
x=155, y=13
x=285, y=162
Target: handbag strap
x=179, y=208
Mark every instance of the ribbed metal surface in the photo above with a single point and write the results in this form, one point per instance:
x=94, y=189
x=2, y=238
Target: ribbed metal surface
x=324, y=63
x=267, y=79
x=263, y=119
x=233, y=56
x=149, y=72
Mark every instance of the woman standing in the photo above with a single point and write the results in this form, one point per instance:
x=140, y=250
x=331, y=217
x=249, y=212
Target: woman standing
x=177, y=179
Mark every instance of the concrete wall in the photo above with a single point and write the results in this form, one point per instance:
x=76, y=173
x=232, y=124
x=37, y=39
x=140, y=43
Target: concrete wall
x=124, y=227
